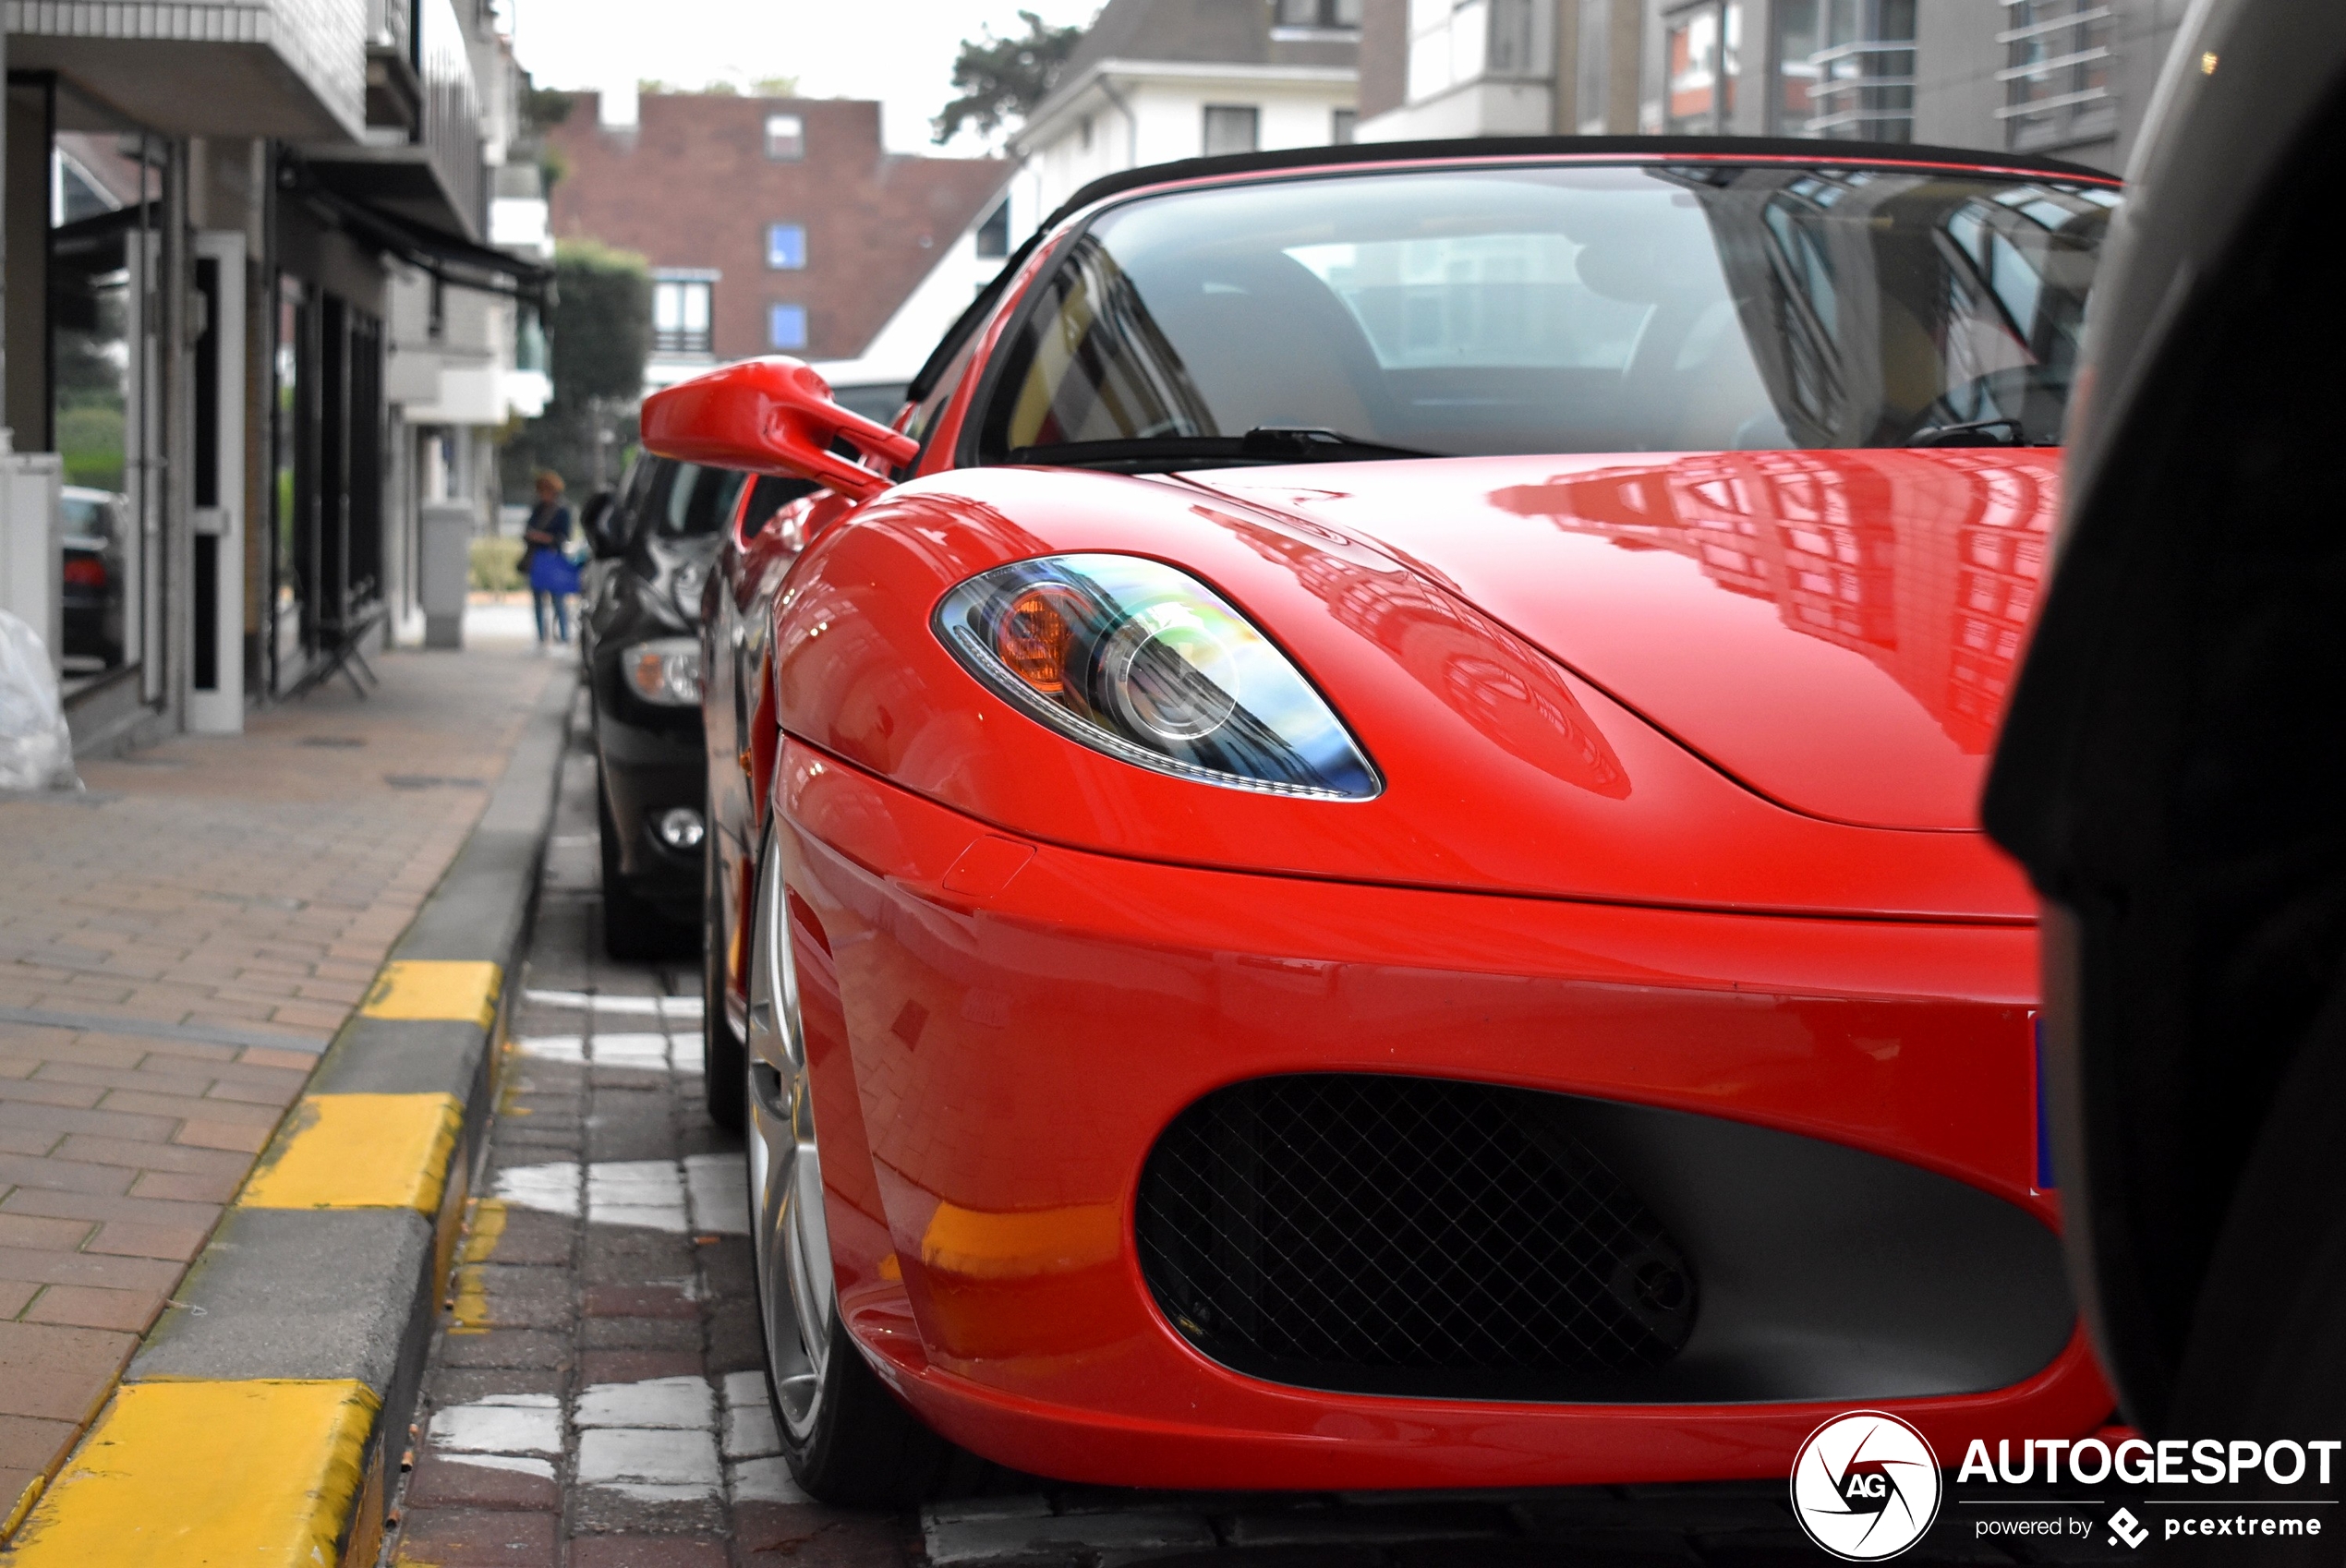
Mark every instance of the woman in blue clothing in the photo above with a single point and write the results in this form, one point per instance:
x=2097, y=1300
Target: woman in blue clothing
x=553, y=576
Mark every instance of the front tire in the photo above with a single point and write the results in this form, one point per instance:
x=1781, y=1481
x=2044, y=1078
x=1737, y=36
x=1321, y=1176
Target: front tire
x=847, y=1439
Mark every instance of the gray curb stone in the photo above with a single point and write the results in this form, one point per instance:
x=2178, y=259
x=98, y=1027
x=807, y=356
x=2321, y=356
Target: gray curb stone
x=353, y=1293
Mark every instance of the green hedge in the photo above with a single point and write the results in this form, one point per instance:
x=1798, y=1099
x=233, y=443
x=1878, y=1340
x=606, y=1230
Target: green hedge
x=496, y=566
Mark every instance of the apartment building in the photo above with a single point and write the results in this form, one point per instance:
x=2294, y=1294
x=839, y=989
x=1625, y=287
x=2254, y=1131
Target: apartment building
x=2070, y=78
x=1155, y=80
x=775, y=225
x=255, y=323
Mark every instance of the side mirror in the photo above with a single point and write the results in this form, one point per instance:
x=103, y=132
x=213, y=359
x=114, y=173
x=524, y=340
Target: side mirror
x=598, y=520
x=771, y=416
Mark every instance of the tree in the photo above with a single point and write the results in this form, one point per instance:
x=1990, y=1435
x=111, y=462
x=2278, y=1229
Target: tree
x=1004, y=78
x=600, y=332
x=600, y=326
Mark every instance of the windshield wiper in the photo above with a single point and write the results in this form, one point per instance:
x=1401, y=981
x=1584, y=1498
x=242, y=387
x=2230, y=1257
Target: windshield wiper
x=1264, y=443
x=1972, y=432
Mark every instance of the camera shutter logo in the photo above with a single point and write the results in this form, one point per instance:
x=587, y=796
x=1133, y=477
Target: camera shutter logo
x=1865, y=1486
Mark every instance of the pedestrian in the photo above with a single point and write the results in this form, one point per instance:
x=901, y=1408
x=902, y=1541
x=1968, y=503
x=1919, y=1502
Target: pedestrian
x=553, y=576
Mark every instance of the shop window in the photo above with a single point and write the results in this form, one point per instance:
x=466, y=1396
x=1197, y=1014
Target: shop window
x=786, y=326
x=104, y=206
x=1702, y=50
x=1232, y=128
x=785, y=137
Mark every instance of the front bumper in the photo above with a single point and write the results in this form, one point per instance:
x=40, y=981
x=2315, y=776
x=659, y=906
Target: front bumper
x=651, y=760
x=1000, y=1033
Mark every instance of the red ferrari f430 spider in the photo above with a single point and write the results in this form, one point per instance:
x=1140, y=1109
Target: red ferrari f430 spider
x=1349, y=858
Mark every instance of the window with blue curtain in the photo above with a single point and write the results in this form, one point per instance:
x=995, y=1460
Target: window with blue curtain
x=786, y=326
x=786, y=246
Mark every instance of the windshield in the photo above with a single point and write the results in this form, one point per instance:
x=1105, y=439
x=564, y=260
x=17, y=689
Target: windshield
x=1563, y=309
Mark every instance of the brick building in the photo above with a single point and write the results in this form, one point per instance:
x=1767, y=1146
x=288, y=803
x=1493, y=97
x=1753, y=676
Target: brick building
x=772, y=225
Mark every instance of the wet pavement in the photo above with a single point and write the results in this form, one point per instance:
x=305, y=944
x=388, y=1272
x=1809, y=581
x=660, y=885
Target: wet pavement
x=597, y=1399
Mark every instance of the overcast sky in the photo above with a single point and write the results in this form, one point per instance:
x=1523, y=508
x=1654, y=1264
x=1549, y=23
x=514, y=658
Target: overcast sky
x=900, y=52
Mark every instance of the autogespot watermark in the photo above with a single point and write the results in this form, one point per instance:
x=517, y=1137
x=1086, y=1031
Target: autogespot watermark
x=1866, y=1486
x=2301, y=1469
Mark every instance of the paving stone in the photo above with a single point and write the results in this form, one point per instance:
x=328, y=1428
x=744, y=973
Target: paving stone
x=476, y=1538
x=763, y=1479
x=640, y=1334
x=808, y=1536
x=536, y=1239
x=508, y=1347
x=750, y=1431
x=636, y=1366
x=639, y=1301
x=483, y=1481
x=500, y=1423
x=647, y=1551
x=681, y=1403
x=972, y=1541
x=461, y=1385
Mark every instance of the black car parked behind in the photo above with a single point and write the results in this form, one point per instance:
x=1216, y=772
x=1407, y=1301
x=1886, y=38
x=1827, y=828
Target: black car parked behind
x=640, y=642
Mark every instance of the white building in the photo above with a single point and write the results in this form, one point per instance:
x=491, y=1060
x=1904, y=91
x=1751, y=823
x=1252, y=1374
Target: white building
x=1156, y=80
x=1484, y=68
x=2072, y=78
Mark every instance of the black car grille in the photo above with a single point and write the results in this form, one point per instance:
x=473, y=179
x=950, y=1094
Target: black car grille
x=1406, y=1235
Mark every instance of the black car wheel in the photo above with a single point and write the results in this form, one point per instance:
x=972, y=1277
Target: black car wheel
x=725, y=1060
x=848, y=1440
x=634, y=929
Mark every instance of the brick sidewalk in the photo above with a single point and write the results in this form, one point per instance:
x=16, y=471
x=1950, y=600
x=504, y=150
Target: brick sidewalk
x=188, y=937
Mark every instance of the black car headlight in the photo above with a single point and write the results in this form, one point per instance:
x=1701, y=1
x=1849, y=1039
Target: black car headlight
x=664, y=671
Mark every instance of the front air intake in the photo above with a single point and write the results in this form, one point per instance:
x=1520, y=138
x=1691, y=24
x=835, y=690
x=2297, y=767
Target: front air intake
x=1407, y=1235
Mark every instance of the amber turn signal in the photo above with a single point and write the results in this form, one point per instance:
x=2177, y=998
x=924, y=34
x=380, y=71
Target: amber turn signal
x=1034, y=636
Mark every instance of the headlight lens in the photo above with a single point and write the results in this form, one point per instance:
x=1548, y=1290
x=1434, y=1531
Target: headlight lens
x=1145, y=663
x=665, y=671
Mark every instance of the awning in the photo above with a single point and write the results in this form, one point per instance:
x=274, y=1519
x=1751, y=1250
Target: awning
x=342, y=191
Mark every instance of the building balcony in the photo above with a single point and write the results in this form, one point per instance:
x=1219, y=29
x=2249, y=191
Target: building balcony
x=290, y=69
x=420, y=161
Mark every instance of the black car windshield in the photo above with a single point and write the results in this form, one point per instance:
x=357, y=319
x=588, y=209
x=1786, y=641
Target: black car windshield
x=1557, y=307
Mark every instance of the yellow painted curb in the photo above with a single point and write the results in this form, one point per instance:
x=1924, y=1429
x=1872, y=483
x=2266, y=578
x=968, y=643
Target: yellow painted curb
x=25, y=1499
x=468, y=1304
x=192, y=1474
x=436, y=990
x=361, y=1152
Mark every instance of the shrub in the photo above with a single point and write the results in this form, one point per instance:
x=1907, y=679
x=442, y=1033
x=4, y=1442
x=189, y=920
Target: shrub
x=496, y=566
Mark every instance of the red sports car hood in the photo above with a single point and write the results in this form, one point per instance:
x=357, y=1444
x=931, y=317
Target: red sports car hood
x=1837, y=630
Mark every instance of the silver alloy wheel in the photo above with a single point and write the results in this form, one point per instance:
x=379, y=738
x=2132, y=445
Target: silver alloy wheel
x=793, y=1242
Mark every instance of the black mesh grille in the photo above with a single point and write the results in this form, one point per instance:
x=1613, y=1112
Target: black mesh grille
x=1406, y=1235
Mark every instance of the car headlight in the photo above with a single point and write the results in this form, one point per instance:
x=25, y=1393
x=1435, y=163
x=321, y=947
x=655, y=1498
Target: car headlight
x=1136, y=659
x=665, y=671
